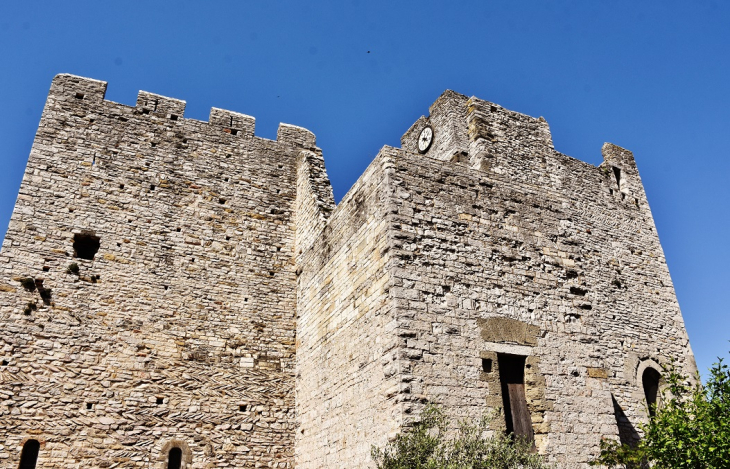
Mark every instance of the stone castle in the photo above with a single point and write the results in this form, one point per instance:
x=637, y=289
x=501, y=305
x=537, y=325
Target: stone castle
x=184, y=294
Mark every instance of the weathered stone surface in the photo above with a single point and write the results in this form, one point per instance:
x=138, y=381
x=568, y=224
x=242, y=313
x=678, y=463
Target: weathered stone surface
x=182, y=327
x=227, y=281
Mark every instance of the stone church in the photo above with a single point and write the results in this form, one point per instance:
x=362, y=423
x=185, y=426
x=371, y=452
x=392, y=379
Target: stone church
x=184, y=294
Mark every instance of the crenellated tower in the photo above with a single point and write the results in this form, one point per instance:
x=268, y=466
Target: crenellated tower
x=148, y=286
x=184, y=294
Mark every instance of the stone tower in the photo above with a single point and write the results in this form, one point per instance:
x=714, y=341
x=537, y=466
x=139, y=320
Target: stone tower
x=168, y=286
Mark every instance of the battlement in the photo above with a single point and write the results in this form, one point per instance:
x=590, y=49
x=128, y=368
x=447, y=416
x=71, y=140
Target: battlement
x=463, y=127
x=487, y=137
x=72, y=89
x=150, y=103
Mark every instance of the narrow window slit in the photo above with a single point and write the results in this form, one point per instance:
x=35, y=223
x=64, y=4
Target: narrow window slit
x=617, y=175
x=650, y=381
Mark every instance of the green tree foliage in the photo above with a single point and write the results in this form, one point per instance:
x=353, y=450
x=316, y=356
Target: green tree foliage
x=690, y=428
x=426, y=446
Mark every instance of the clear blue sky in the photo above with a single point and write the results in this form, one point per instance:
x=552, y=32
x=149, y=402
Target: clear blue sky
x=651, y=76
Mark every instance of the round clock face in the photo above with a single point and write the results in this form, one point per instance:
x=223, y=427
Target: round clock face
x=425, y=140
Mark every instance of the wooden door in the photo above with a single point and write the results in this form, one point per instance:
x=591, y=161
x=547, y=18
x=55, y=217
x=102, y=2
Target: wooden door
x=512, y=378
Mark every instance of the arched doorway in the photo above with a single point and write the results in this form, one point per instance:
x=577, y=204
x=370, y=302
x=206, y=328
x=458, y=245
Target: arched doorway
x=29, y=455
x=174, y=458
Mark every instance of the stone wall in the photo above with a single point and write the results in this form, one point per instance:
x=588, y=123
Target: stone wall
x=182, y=327
x=346, y=355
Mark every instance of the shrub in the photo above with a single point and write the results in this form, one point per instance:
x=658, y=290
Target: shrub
x=30, y=307
x=45, y=294
x=72, y=268
x=425, y=446
x=28, y=283
x=690, y=428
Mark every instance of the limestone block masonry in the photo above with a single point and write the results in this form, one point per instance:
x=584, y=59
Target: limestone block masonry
x=185, y=294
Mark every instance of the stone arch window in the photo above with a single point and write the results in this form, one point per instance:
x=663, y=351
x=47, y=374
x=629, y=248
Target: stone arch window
x=29, y=455
x=650, y=381
x=648, y=376
x=175, y=454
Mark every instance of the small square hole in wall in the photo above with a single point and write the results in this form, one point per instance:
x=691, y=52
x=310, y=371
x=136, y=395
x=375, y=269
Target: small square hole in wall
x=234, y=132
x=160, y=400
x=221, y=201
x=46, y=268
x=79, y=95
x=86, y=245
x=242, y=408
x=178, y=229
x=152, y=187
x=89, y=406
x=487, y=365
x=173, y=117
x=121, y=186
x=5, y=363
x=145, y=111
